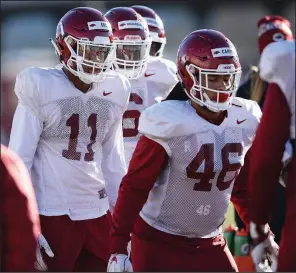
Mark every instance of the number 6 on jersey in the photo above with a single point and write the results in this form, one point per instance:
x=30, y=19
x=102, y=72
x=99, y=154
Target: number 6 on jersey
x=206, y=155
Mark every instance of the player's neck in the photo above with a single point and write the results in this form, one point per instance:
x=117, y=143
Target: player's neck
x=83, y=87
x=213, y=117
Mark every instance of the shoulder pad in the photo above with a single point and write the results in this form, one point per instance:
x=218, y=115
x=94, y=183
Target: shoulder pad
x=248, y=108
x=164, y=74
x=277, y=63
x=27, y=88
x=162, y=67
x=168, y=119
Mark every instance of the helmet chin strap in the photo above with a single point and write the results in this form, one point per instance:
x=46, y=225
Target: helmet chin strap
x=131, y=74
x=209, y=102
x=86, y=81
x=203, y=104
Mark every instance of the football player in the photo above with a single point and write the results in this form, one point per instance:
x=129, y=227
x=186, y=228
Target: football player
x=68, y=130
x=270, y=29
x=19, y=219
x=157, y=34
x=187, y=166
x=151, y=78
x=277, y=67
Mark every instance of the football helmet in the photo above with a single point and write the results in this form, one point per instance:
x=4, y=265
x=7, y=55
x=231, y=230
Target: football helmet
x=208, y=52
x=131, y=36
x=156, y=29
x=84, y=43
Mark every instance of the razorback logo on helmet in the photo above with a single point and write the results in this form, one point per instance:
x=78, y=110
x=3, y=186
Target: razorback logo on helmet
x=99, y=25
x=130, y=24
x=223, y=51
x=275, y=25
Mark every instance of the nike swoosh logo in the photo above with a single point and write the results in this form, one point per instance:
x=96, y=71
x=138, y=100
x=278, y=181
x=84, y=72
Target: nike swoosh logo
x=148, y=75
x=240, y=121
x=106, y=93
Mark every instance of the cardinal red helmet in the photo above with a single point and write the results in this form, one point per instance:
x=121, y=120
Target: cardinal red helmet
x=84, y=43
x=156, y=29
x=131, y=35
x=208, y=52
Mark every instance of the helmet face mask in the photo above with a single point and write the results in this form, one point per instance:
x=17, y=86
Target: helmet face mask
x=132, y=39
x=209, y=69
x=203, y=90
x=132, y=56
x=89, y=60
x=84, y=44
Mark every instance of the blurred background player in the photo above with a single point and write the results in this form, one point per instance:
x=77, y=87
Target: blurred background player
x=156, y=30
x=270, y=29
x=19, y=219
x=68, y=130
x=181, y=176
x=151, y=78
x=277, y=67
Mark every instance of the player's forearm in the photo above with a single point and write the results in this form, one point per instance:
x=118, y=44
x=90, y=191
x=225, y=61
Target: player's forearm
x=146, y=164
x=240, y=196
x=241, y=206
x=129, y=203
x=266, y=163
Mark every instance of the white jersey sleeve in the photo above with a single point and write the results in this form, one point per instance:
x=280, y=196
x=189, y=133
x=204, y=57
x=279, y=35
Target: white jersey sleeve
x=277, y=65
x=113, y=162
x=27, y=122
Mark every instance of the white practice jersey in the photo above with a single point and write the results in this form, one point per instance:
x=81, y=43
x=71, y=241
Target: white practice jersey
x=277, y=65
x=180, y=202
x=71, y=141
x=154, y=86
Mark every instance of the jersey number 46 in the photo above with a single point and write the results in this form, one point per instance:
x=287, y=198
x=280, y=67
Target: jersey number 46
x=206, y=155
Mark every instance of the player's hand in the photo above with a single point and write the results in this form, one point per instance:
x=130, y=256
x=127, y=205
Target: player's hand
x=42, y=244
x=119, y=263
x=264, y=248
